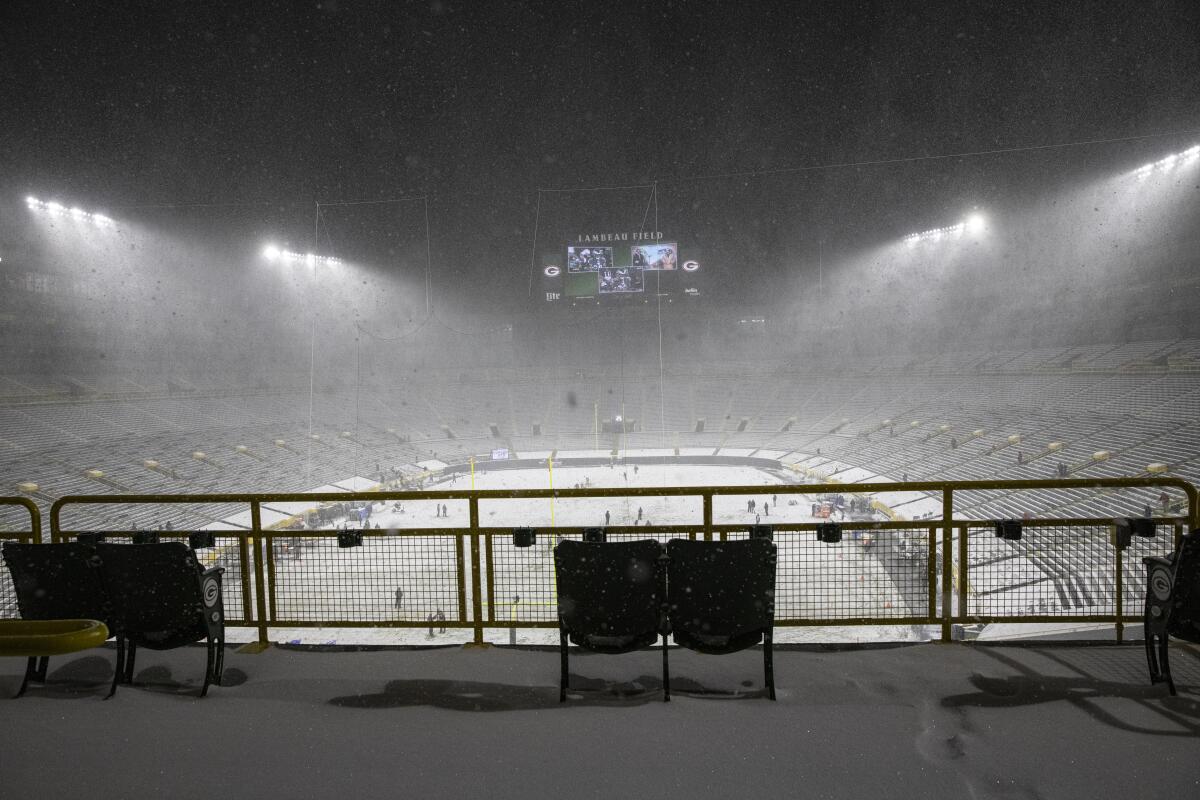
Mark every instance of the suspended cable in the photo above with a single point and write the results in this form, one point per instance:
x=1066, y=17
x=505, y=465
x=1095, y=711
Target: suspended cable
x=885, y=161
x=428, y=262
x=398, y=337
x=537, y=215
x=597, y=188
x=384, y=201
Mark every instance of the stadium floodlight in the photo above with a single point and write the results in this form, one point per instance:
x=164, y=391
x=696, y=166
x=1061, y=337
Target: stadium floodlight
x=74, y=212
x=973, y=224
x=1189, y=156
x=274, y=253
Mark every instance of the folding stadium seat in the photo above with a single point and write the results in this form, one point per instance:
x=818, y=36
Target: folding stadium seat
x=610, y=599
x=721, y=597
x=162, y=598
x=1172, y=604
x=57, y=582
x=156, y=595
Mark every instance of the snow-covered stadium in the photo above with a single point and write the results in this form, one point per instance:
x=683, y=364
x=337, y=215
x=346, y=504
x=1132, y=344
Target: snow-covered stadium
x=410, y=361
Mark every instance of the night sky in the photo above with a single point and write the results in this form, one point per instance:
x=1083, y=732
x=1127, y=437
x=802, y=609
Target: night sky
x=479, y=105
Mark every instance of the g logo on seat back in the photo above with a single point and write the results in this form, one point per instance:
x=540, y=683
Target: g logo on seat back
x=211, y=592
x=1160, y=584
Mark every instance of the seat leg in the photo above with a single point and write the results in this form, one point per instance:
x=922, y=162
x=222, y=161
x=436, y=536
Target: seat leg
x=210, y=664
x=119, y=671
x=130, y=656
x=30, y=669
x=219, y=668
x=1152, y=664
x=769, y=663
x=666, y=672
x=562, y=659
x=1164, y=660
x=1148, y=642
x=43, y=665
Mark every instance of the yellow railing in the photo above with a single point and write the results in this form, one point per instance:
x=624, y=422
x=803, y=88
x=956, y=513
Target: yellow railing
x=938, y=572
x=35, y=519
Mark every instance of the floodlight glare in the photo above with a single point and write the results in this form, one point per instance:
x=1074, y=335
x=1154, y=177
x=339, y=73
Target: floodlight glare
x=1169, y=162
x=973, y=224
x=75, y=212
x=273, y=253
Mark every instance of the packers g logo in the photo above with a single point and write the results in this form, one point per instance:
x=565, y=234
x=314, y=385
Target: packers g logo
x=1160, y=584
x=211, y=592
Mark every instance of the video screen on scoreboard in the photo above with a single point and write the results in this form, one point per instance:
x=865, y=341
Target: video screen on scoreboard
x=582, y=284
x=621, y=272
x=620, y=280
x=589, y=259
x=662, y=256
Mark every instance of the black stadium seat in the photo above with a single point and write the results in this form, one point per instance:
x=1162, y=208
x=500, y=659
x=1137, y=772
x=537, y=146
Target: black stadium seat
x=1172, y=604
x=162, y=599
x=610, y=599
x=721, y=597
x=57, y=581
x=154, y=595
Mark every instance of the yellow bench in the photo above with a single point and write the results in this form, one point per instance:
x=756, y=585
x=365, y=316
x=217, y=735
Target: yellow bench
x=34, y=639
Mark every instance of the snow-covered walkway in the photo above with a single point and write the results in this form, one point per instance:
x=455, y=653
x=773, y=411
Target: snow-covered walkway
x=928, y=720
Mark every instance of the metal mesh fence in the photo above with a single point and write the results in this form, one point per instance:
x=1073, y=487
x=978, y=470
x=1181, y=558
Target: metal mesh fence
x=235, y=590
x=1051, y=571
x=1133, y=571
x=870, y=574
x=522, y=579
x=15, y=520
x=389, y=579
x=8, y=593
